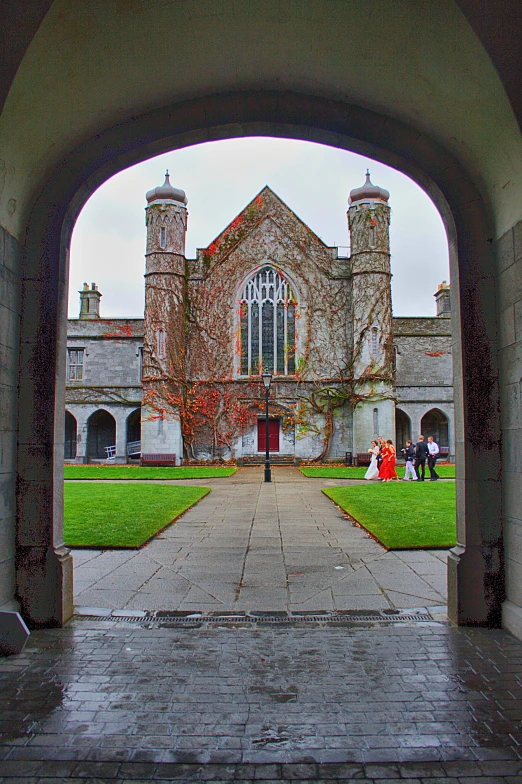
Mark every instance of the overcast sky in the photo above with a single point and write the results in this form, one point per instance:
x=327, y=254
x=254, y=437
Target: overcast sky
x=220, y=178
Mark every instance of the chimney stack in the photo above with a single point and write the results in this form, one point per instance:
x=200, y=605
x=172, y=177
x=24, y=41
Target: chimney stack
x=89, y=302
x=442, y=298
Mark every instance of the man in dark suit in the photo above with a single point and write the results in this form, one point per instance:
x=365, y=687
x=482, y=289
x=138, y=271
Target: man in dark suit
x=421, y=454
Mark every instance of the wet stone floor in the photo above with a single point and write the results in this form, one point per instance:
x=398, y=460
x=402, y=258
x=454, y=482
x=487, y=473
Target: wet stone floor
x=106, y=702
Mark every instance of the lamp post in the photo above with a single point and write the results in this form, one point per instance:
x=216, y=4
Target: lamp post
x=267, y=380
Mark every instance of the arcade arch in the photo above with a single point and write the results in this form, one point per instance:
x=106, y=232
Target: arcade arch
x=133, y=434
x=101, y=434
x=402, y=429
x=435, y=423
x=471, y=573
x=71, y=435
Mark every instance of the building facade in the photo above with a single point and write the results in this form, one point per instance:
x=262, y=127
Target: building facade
x=267, y=295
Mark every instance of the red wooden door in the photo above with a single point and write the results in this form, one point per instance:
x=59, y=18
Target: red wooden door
x=273, y=435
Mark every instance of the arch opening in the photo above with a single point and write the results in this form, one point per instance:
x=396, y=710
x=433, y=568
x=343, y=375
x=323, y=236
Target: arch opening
x=402, y=429
x=463, y=211
x=435, y=423
x=134, y=435
x=101, y=434
x=71, y=431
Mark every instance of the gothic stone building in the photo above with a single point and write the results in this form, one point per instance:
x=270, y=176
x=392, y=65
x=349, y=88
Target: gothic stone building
x=266, y=296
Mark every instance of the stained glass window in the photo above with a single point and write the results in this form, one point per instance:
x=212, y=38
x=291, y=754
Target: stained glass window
x=267, y=343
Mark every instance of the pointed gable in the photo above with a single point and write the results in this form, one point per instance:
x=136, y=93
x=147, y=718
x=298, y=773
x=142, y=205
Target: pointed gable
x=266, y=204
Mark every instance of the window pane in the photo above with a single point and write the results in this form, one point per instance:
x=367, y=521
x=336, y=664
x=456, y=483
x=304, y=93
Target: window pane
x=254, y=370
x=244, y=338
x=75, y=364
x=268, y=337
x=281, y=338
x=290, y=339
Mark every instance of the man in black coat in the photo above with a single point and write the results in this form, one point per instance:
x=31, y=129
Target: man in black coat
x=421, y=454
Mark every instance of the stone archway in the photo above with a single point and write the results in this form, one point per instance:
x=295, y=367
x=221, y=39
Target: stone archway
x=101, y=434
x=476, y=564
x=133, y=445
x=71, y=434
x=402, y=429
x=435, y=423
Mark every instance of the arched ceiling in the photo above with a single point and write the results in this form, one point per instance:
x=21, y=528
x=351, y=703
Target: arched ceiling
x=94, y=64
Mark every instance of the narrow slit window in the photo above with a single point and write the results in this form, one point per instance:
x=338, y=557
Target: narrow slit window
x=161, y=343
x=375, y=342
x=376, y=421
x=163, y=237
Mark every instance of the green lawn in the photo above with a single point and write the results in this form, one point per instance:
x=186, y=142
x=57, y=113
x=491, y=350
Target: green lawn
x=402, y=515
x=358, y=472
x=122, y=515
x=147, y=472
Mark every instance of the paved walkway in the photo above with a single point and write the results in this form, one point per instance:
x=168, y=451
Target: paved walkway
x=255, y=546
x=96, y=703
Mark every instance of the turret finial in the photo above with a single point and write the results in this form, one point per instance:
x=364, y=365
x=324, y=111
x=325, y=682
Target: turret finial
x=166, y=192
x=369, y=192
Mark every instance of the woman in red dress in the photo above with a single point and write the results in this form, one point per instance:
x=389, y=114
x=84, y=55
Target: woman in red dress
x=387, y=470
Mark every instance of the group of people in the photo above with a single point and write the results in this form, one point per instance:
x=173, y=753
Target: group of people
x=383, y=460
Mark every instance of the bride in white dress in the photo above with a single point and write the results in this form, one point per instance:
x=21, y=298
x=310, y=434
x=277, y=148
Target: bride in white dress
x=373, y=469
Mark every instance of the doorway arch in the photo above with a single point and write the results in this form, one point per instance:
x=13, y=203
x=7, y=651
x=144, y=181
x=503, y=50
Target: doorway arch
x=101, y=433
x=476, y=564
x=402, y=429
x=435, y=423
x=133, y=434
x=71, y=430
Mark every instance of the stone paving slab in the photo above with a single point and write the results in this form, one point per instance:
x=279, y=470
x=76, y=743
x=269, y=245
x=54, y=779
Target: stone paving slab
x=249, y=545
x=422, y=703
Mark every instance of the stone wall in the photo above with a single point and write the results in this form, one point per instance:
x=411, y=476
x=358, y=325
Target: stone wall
x=509, y=266
x=111, y=356
x=424, y=367
x=111, y=376
x=9, y=340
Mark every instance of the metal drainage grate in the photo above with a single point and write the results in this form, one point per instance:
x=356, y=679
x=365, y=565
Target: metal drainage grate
x=164, y=619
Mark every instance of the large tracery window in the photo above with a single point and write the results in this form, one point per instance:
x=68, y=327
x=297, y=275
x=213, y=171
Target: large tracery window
x=267, y=325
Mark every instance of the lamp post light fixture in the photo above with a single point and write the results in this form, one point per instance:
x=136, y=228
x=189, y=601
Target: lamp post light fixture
x=267, y=380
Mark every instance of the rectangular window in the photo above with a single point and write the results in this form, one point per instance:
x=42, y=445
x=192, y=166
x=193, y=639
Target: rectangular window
x=140, y=356
x=75, y=364
x=163, y=237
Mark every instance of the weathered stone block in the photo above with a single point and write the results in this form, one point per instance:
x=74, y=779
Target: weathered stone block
x=13, y=633
x=504, y=248
x=510, y=285
x=506, y=326
x=517, y=241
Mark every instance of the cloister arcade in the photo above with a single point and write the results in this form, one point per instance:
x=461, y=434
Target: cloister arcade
x=92, y=430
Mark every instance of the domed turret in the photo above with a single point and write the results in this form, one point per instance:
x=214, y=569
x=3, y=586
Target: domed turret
x=166, y=192
x=368, y=192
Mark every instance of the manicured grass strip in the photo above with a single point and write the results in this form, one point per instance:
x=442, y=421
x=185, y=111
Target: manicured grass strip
x=147, y=472
x=358, y=472
x=402, y=515
x=122, y=515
